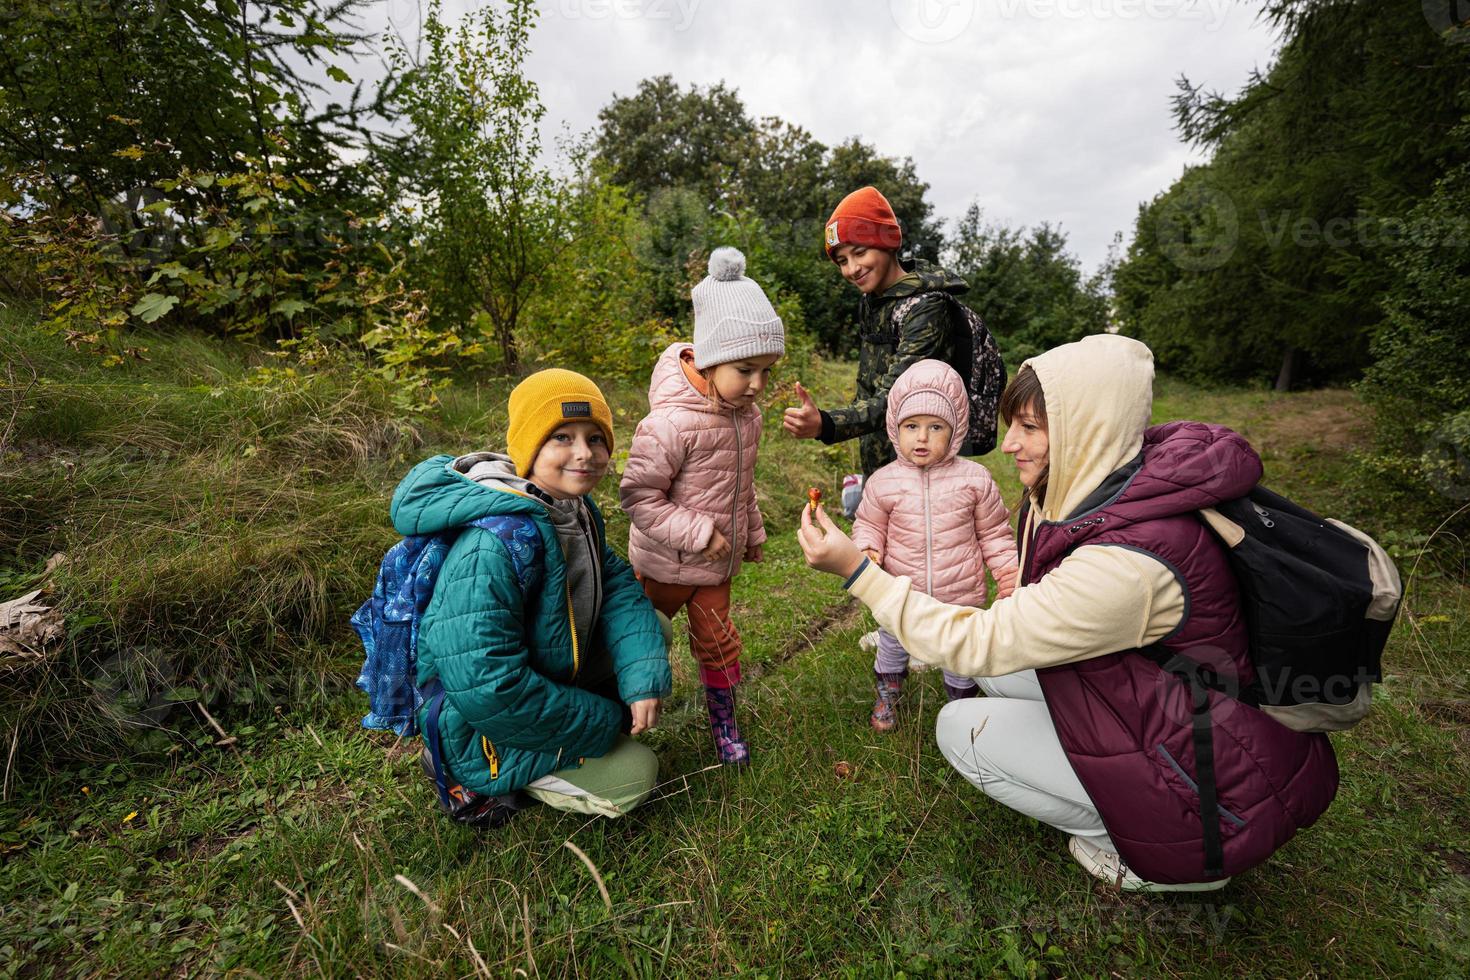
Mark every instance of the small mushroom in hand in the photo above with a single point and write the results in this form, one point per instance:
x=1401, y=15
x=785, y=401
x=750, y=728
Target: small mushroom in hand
x=814, y=495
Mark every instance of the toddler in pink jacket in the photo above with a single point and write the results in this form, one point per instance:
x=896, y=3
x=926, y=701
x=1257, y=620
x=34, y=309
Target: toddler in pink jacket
x=689, y=484
x=932, y=516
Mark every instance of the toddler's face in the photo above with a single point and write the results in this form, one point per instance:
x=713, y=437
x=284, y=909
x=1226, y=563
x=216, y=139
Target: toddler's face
x=871, y=270
x=923, y=439
x=741, y=382
x=572, y=460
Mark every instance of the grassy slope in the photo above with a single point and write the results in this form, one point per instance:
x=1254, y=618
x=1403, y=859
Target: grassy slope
x=280, y=852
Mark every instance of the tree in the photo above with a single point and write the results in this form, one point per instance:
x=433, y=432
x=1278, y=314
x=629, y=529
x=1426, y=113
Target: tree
x=664, y=136
x=1026, y=285
x=1279, y=242
x=103, y=99
x=680, y=150
x=495, y=218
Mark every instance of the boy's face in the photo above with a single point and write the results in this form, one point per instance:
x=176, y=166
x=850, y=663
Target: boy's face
x=571, y=461
x=923, y=439
x=871, y=270
x=741, y=382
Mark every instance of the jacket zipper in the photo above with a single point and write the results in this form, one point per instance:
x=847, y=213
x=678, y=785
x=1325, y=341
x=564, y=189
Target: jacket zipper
x=928, y=538
x=572, y=619
x=491, y=756
x=735, y=497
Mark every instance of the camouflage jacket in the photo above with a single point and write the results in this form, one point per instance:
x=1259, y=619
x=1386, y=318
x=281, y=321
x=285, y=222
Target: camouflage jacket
x=927, y=331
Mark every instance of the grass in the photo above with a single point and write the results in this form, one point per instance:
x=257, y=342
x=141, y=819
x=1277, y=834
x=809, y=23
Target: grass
x=219, y=534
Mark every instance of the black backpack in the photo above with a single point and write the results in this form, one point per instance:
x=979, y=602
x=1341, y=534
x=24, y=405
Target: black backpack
x=1319, y=600
x=977, y=361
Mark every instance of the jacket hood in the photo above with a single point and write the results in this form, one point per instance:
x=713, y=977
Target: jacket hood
x=670, y=388
x=923, y=277
x=438, y=493
x=1099, y=395
x=930, y=381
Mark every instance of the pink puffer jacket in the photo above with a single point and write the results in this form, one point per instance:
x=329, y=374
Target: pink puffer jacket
x=691, y=469
x=943, y=524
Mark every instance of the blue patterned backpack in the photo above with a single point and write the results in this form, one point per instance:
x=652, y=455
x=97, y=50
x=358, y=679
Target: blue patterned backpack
x=388, y=621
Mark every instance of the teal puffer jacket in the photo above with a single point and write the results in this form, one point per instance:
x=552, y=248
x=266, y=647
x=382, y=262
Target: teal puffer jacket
x=514, y=708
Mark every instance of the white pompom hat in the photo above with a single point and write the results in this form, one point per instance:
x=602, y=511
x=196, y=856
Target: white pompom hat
x=733, y=319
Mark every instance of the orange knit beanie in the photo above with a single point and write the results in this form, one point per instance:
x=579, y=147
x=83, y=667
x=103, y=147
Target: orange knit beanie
x=864, y=218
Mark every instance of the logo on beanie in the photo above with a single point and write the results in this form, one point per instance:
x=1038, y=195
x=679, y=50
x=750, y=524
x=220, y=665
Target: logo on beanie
x=832, y=233
x=576, y=410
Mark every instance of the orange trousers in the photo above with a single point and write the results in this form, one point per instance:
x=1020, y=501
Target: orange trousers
x=713, y=639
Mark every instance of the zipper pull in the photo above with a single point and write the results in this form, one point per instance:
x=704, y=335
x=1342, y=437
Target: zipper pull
x=1087, y=523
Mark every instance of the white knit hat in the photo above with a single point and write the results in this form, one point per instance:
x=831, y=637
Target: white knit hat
x=732, y=317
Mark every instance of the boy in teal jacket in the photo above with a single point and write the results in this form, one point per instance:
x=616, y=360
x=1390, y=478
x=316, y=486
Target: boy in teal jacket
x=549, y=654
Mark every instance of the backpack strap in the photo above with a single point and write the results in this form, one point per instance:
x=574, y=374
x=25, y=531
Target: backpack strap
x=1204, y=753
x=431, y=735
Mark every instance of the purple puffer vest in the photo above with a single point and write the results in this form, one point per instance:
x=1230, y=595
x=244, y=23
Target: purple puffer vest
x=1125, y=723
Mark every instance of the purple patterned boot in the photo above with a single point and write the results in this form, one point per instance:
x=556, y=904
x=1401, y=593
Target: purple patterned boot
x=885, y=714
x=732, y=749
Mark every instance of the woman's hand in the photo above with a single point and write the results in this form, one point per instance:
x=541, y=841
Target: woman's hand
x=826, y=548
x=804, y=421
x=718, y=548
x=645, y=715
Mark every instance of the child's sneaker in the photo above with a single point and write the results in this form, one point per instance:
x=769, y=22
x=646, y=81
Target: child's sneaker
x=885, y=714
x=472, y=809
x=868, y=641
x=1110, y=868
x=732, y=749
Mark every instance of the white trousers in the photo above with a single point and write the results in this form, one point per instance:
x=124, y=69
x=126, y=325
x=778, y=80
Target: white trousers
x=1006, y=745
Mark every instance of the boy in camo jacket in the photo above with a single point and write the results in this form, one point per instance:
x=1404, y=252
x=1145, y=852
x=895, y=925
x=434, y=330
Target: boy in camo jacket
x=862, y=238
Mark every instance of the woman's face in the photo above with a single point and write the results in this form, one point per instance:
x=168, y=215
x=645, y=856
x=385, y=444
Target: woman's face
x=1026, y=440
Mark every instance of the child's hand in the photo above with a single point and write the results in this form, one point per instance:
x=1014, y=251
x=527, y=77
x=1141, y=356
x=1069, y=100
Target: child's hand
x=718, y=548
x=645, y=715
x=755, y=552
x=1005, y=580
x=804, y=421
x=874, y=557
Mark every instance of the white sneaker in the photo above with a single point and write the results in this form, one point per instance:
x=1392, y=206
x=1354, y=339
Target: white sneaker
x=1110, y=868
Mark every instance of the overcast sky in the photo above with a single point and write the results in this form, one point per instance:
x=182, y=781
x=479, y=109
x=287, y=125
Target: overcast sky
x=1040, y=110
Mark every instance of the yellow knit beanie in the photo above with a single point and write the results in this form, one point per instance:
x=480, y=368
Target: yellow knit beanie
x=544, y=402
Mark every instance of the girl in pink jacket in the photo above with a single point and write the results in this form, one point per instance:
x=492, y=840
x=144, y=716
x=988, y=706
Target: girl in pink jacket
x=689, y=484
x=932, y=516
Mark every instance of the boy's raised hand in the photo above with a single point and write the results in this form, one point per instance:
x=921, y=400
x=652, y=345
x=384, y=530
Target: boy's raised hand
x=805, y=420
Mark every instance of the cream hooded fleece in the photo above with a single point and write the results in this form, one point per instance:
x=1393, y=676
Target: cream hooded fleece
x=1099, y=394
